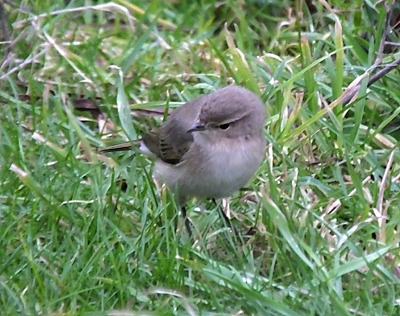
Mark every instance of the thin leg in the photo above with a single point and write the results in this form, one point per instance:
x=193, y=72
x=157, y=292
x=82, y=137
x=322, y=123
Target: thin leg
x=226, y=219
x=188, y=224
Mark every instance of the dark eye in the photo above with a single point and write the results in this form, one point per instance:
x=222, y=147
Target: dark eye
x=224, y=126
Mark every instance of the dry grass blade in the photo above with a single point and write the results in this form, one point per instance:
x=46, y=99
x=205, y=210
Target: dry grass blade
x=381, y=210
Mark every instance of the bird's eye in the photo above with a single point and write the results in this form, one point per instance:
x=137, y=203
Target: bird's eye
x=224, y=126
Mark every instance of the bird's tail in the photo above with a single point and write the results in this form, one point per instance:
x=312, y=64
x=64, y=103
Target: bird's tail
x=121, y=147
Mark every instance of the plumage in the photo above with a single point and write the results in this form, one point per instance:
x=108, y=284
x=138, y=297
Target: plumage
x=209, y=147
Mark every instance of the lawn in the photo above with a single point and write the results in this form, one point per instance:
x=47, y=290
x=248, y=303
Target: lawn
x=90, y=233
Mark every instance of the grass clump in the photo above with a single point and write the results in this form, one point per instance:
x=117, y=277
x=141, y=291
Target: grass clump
x=88, y=233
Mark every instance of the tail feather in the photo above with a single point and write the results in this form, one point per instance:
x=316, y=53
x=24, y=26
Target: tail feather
x=120, y=147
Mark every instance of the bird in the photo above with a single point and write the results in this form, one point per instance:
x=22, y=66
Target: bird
x=208, y=148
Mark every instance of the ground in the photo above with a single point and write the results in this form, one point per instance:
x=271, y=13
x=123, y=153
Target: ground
x=90, y=233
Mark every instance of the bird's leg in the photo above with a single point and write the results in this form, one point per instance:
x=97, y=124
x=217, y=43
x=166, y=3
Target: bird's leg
x=226, y=219
x=188, y=224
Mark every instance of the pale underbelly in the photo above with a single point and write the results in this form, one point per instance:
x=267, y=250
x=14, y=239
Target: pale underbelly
x=211, y=178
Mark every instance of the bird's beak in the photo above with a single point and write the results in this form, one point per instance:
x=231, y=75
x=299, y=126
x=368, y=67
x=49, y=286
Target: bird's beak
x=198, y=127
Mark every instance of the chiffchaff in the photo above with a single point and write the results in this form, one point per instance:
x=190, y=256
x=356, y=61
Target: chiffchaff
x=209, y=147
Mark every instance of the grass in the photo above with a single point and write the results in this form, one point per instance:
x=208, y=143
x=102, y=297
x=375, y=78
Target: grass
x=84, y=233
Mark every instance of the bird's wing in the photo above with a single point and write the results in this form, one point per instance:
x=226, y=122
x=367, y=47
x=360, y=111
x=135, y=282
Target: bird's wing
x=171, y=140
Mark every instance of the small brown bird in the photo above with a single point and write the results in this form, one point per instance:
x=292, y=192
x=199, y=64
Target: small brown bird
x=209, y=147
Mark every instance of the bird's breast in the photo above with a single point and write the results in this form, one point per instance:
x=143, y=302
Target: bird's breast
x=213, y=169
